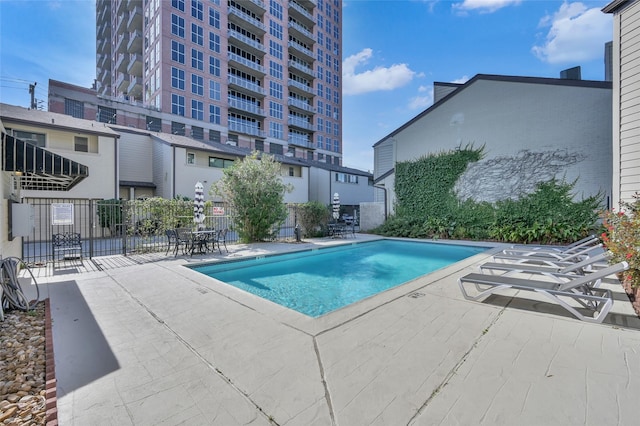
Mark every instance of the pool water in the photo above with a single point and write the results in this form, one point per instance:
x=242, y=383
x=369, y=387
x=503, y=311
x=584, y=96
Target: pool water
x=315, y=282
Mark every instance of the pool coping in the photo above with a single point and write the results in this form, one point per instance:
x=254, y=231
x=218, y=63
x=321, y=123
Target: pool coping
x=317, y=325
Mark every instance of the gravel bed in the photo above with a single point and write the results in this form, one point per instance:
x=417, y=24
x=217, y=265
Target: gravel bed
x=23, y=368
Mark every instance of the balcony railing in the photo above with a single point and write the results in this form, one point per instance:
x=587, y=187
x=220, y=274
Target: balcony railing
x=246, y=40
x=249, y=19
x=300, y=86
x=301, y=67
x=301, y=10
x=246, y=129
x=300, y=105
x=244, y=105
x=300, y=48
x=300, y=122
x=246, y=84
x=247, y=63
x=300, y=141
x=302, y=30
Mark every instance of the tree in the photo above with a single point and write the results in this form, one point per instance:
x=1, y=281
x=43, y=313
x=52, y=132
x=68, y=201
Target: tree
x=254, y=190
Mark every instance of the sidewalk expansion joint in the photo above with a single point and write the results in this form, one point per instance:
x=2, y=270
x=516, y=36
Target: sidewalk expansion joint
x=455, y=368
x=327, y=393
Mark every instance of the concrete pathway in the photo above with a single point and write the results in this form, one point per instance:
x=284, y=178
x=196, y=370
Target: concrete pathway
x=158, y=344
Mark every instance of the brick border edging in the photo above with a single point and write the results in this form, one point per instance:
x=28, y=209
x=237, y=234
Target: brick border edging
x=51, y=398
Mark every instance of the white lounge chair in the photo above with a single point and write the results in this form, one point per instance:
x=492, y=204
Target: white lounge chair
x=582, y=290
x=570, y=249
x=555, y=271
x=550, y=258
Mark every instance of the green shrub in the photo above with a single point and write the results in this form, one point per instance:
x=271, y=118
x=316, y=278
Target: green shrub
x=313, y=218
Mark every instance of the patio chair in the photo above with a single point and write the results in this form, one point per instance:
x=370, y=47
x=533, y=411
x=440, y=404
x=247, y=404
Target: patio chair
x=178, y=238
x=582, y=290
x=557, y=271
x=570, y=249
x=550, y=258
x=221, y=237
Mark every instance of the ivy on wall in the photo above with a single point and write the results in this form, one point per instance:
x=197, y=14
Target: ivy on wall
x=427, y=206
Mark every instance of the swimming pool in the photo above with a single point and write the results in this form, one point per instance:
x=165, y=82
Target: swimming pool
x=315, y=282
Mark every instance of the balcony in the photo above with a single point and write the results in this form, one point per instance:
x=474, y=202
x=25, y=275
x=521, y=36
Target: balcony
x=242, y=18
x=122, y=62
x=300, y=86
x=253, y=45
x=135, y=19
x=298, y=11
x=301, y=31
x=245, y=106
x=244, y=63
x=302, y=68
x=297, y=47
x=241, y=83
x=121, y=25
x=135, y=88
x=121, y=6
x=135, y=42
x=256, y=6
x=135, y=65
x=300, y=123
x=301, y=105
x=302, y=141
x=122, y=82
x=246, y=129
x=123, y=41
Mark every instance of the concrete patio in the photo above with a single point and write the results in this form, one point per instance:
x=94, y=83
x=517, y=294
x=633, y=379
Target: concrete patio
x=155, y=343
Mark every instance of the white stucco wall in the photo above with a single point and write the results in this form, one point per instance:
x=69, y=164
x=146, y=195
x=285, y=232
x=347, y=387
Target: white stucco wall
x=570, y=126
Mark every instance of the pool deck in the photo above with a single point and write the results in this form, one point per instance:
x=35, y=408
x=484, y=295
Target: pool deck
x=156, y=343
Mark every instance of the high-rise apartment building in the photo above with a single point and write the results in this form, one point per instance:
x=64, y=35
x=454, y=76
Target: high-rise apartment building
x=265, y=75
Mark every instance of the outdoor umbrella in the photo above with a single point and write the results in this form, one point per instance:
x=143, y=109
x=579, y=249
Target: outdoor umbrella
x=198, y=205
x=336, y=206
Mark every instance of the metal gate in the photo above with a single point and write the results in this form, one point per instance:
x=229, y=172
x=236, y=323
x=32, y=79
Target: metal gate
x=120, y=227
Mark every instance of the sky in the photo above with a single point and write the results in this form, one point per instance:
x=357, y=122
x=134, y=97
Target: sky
x=393, y=51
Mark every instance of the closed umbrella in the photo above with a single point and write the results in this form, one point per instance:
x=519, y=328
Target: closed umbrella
x=336, y=206
x=198, y=206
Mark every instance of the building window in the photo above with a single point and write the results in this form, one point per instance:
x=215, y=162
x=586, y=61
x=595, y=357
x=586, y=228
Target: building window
x=214, y=90
x=177, y=51
x=214, y=114
x=197, y=132
x=275, y=148
x=275, y=70
x=177, y=128
x=177, y=104
x=214, y=136
x=276, y=9
x=275, y=89
x=191, y=158
x=178, y=4
x=276, y=130
x=221, y=163
x=214, y=18
x=336, y=145
x=197, y=110
x=259, y=145
x=80, y=144
x=177, y=25
x=291, y=173
x=154, y=124
x=107, y=115
x=233, y=139
x=214, y=66
x=275, y=49
x=197, y=59
x=177, y=78
x=275, y=30
x=197, y=34
x=214, y=42
x=275, y=110
x=197, y=84
x=197, y=9
x=37, y=139
x=74, y=108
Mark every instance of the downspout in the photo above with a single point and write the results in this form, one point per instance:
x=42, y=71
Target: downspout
x=116, y=150
x=173, y=172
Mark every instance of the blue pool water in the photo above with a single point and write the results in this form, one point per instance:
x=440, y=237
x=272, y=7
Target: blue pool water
x=318, y=281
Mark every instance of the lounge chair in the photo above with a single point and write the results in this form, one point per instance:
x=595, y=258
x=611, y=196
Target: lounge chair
x=556, y=271
x=558, y=248
x=583, y=289
x=551, y=258
x=570, y=249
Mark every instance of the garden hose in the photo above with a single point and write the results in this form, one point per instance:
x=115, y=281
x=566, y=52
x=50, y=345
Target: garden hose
x=13, y=297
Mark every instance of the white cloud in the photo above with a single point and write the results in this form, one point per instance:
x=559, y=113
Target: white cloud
x=461, y=80
x=576, y=34
x=378, y=78
x=484, y=5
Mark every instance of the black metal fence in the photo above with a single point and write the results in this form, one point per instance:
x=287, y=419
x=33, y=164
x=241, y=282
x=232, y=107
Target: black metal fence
x=112, y=227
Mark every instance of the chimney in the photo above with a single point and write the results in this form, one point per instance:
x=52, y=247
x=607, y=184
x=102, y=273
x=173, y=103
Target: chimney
x=571, y=74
